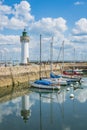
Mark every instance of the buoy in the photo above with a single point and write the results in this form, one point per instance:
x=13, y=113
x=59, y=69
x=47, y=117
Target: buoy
x=68, y=89
x=77, y=82
x=58, y=87
x=72, y=96
x=71, y=85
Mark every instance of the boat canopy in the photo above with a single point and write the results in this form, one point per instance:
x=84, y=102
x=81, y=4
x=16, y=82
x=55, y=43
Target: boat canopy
x=52, y=75
x=43, y=82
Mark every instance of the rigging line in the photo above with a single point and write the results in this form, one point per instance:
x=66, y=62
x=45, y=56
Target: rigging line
x=61, y=48
x=59, y=56
x=59, y=53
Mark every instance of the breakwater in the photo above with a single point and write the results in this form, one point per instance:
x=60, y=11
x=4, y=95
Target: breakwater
x=16, y=75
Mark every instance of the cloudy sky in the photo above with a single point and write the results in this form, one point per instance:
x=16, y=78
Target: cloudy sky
x=64, y=20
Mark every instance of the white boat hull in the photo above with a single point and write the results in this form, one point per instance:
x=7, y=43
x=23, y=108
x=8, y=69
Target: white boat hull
x=40, y=86
x=72, y=79
x=56, y=81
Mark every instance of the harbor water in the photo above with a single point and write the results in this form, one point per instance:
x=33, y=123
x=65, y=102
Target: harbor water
x=46, y=110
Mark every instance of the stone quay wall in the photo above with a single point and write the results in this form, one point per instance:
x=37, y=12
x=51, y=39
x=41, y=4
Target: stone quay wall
x=15, y=75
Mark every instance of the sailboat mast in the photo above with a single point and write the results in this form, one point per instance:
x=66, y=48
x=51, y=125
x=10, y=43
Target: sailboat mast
x=51, y=55
x=63, y=56
x=40, y=58
x=74, y=58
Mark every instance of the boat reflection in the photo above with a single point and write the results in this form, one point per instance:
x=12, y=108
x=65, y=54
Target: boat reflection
x=53, y=98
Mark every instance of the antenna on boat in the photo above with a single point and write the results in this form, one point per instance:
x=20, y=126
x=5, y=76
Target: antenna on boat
x=40, y=59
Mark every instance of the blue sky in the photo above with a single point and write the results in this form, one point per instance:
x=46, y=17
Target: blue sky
x=63, y=19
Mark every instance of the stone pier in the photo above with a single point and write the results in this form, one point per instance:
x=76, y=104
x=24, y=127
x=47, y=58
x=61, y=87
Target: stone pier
x=16, y=75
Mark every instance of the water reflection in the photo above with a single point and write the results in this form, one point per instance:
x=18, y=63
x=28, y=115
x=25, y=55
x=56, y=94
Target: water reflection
x=53, y=114
x=46, y=110
x=49, y=117
x=25, y=112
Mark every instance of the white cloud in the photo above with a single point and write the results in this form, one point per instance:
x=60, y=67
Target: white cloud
x=4, y=9
x=78, y=3
x=16, y=24
x=22, y=11
x=79, y=39
x=9, y=39
x=79, y=36
x=15, y=49
x=80, y=26
x=6, y=50
x=10, y=46
x=49, y=26
x=3, y=21
x=17, y=17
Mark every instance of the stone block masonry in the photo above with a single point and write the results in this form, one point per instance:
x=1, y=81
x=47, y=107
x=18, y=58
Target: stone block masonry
x=15, y=75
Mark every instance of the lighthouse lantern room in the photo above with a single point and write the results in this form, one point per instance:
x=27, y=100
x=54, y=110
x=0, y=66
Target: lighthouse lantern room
x=24, y=39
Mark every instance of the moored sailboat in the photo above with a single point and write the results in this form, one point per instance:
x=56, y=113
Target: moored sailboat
x=44, y=83
x=68, y=75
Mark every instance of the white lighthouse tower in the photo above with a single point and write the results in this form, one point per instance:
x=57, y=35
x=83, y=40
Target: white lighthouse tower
x=24, y=39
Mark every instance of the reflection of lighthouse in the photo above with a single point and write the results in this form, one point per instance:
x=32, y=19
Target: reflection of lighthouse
x=24, y=39
x=25, y=112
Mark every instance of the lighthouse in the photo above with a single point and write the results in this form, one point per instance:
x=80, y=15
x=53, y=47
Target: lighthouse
x=24, y=39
